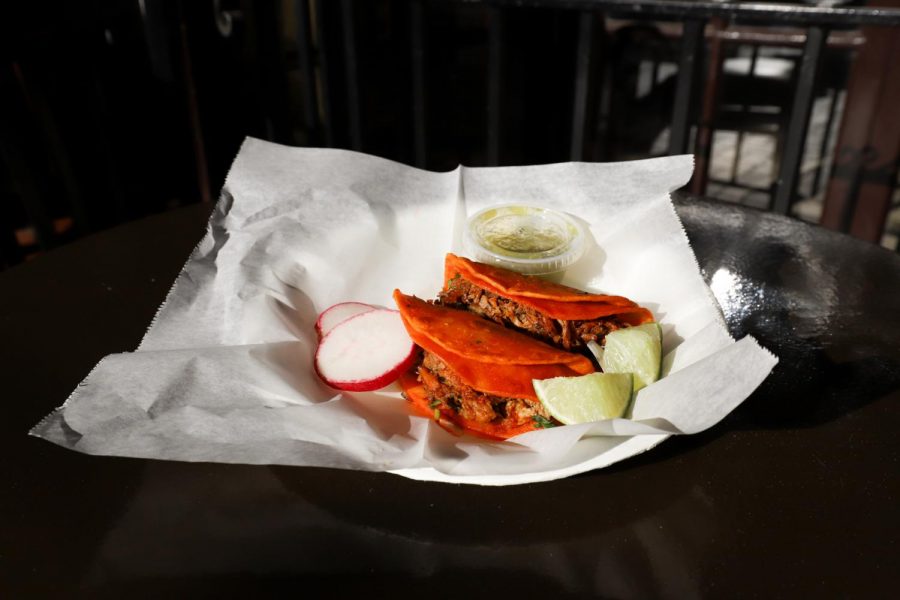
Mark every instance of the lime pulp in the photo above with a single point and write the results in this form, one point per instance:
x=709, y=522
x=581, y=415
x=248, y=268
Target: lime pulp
x=636, y=350
x=586, y=398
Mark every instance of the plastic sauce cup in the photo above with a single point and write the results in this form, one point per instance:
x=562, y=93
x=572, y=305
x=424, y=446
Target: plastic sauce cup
x=527, y=239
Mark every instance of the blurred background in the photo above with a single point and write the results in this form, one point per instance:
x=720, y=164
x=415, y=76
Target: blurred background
x=117, y=109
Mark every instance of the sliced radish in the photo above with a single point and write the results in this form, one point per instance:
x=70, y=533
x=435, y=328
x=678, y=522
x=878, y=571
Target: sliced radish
x=337, y=314
x=365, y=352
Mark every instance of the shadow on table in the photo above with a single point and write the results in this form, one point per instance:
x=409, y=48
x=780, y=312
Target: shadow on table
x=469, y=514
x=228, y=527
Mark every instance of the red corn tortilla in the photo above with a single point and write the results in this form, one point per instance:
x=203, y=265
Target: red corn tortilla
x=552, y=299
x=415, y=393
x=486, y=356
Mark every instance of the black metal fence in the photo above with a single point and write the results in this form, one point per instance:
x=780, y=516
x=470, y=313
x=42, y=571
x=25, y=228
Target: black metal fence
x=114, y=110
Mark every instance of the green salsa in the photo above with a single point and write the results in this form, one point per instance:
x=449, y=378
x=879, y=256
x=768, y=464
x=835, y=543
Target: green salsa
x=527, y=239
x=522, y=232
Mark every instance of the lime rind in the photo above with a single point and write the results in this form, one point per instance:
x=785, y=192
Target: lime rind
x=635, y=350
x=587, y=398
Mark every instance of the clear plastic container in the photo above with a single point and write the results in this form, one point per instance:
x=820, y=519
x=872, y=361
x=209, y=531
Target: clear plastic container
x=527, y=239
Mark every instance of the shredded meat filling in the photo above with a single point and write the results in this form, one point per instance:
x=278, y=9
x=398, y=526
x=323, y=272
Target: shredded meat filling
x=446, y=390
x=570, y=335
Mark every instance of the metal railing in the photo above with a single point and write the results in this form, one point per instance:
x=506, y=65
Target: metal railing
x=698, y=47
x=330, y=101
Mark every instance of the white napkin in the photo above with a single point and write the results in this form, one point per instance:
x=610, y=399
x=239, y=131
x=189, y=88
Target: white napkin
x=225, y=373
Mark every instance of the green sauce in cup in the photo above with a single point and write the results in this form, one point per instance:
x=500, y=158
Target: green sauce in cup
x=527, y=239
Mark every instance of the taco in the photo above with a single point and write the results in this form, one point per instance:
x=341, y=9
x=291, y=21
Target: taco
x=476, y=374
x=557, y=314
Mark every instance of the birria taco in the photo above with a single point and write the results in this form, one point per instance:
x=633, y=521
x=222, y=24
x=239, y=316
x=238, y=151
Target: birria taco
x=560, y=315
x=477, y=374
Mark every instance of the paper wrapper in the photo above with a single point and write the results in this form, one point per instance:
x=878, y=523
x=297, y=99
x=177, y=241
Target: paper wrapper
x=225, y=372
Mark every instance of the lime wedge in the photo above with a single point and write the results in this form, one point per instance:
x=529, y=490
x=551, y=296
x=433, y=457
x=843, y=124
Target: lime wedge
x=635, y=350
x=587, y=398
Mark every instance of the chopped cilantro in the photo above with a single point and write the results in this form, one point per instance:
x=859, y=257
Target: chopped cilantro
x=542, y=422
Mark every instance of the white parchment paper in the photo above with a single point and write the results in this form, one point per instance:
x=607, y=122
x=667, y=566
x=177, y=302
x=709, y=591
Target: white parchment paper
x=225, y=371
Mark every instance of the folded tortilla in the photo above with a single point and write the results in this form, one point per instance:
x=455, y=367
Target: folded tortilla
x=477, y=374
x=558, y=314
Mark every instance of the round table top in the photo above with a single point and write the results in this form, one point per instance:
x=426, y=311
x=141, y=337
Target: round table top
x=794, y=494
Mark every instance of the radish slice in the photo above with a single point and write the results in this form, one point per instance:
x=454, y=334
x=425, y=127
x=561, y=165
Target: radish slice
x=365, y=352
x=337, y=314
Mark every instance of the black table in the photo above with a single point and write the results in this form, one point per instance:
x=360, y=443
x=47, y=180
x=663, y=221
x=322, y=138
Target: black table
x=795, y=494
